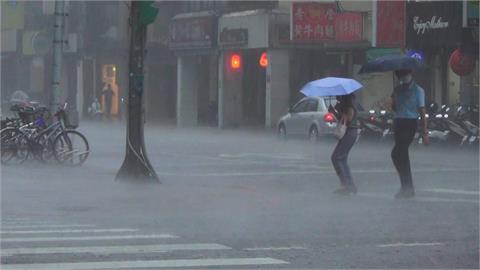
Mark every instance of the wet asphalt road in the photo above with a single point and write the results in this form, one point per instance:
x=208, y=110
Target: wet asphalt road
x=239, y=199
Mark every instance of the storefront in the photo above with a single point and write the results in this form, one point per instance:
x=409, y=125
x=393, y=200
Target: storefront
x=323, y=43
x=434, y=29
x=193, y=39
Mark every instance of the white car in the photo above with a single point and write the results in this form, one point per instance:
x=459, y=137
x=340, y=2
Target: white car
x=308, y=117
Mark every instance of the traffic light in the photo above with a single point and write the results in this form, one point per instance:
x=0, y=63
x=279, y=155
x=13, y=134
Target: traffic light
x=263, y=60
x=235, y=61
x=148, y=13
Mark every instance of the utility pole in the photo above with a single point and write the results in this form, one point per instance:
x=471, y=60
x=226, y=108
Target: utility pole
x=136, y=166
x=57, y=54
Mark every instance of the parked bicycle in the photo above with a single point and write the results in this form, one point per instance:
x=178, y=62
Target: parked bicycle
x=58, y=141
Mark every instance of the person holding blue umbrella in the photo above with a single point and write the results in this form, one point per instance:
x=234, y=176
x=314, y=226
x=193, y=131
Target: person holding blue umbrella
x=408, y=104
x=343, y=88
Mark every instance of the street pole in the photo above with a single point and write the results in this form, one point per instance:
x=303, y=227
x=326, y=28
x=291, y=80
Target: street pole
x=57, y=54
x=136, y=166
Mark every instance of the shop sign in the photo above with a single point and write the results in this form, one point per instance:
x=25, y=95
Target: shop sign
x=433, y=23
x=186, y=33
x=13, y=15
x=313, y=21
x=348, y=26
x=391, y=23
x=233, y=37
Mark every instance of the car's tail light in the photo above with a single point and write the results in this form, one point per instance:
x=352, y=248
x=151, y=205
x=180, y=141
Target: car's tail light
x=329, y=117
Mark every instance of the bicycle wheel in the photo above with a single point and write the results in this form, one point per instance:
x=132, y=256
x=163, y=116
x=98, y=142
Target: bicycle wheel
x=15, y=146
x=70, y=148
x=44, y=148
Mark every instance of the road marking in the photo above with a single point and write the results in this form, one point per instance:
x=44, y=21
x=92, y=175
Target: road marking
x=410, y=244
x=45, y=226
x=453, y=191
x=421, y=199
x=241, y=174
x=274, y=248
x=145, y=264
x=88, y=238
x=26, y=223
x=69, y=231
x=106, y=250
x=265, y=155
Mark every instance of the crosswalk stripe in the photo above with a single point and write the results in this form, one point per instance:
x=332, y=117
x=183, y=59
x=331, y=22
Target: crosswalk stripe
x=274, y=248
x=46, y=226
x=410, y=245
x=69, y=231
x=105, y=250
x=453, y=191
x=146, y=264
x=87, y=238
x=418, y=198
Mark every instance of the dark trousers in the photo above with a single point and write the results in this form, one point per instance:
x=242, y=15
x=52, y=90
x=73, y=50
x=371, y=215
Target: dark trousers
x=340, y=156
x=404, y=132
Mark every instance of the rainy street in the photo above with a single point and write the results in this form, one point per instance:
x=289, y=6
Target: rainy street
x=239, y=199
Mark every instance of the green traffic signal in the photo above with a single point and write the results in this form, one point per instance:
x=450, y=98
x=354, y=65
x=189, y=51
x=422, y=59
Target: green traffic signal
x=148, y=13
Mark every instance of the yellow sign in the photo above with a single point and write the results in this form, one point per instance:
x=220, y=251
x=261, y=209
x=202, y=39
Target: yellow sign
x=27, y=42
x=109, y=77
x=13, y=14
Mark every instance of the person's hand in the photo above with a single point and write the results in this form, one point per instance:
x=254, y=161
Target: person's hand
x=426, y=139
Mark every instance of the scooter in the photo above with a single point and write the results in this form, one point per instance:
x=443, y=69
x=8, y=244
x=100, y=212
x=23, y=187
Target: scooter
x=370, y=124
x=462, y=120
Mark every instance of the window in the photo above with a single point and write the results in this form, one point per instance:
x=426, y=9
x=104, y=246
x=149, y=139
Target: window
x=312, y=105
x=329, y=101
x=300, y=107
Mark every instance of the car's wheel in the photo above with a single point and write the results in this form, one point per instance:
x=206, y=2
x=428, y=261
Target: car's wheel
x=313, y=135
x=282, y=132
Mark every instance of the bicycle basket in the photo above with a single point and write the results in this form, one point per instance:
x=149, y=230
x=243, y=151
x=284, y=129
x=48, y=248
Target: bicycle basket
x=69, y=121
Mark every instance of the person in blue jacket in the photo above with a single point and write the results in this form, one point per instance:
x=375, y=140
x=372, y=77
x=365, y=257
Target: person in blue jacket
x=408, y=104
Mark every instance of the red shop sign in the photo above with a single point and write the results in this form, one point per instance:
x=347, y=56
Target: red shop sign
x=348, y=26
x=391, y=23
x=313, y=21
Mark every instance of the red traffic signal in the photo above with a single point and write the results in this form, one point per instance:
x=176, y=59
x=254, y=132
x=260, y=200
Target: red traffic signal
x=235, y=61
x=263, y=60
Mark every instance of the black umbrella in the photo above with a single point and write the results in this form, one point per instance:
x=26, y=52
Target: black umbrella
x=391, y=63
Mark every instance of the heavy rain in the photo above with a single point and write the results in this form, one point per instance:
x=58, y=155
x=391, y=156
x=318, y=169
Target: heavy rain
x=239, y=135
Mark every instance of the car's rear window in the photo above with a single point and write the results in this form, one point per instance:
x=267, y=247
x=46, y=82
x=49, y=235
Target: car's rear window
x=330, y=101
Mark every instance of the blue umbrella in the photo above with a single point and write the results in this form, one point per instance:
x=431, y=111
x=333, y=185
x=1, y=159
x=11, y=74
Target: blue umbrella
x=391, y=63
x=330, y=86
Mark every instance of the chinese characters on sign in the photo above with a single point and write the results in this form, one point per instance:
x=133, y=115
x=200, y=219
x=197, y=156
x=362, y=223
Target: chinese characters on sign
x=348, y=27
x=321, y=22
x=313, y=21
